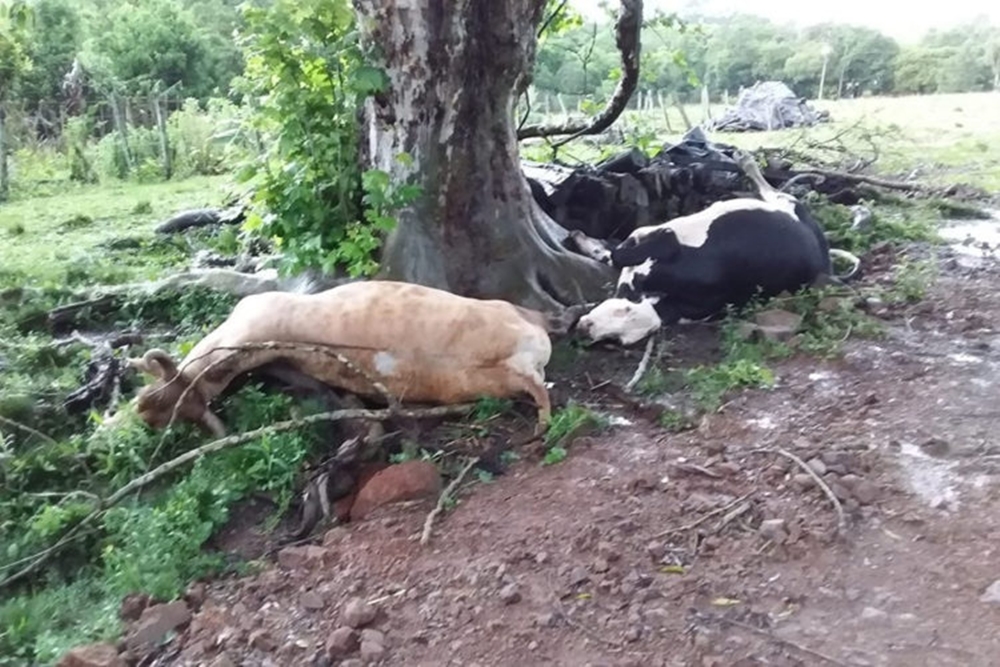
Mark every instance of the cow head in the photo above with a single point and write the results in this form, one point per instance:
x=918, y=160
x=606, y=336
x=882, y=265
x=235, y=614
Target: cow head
x=619, y=319
x=155, y=402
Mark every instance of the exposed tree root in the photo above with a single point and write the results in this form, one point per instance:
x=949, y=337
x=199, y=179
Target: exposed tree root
x=425, y=536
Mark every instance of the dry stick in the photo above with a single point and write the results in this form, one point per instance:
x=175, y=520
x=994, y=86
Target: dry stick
x=443, y=498
x=27, y=429
x=694, y=524
x=841, y=518
x=224, y=443
x=785, y=642
x=579, y=626
x=643, y=365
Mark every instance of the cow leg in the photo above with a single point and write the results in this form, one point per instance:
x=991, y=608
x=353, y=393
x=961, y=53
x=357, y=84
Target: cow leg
x=536, y=389
x=746, y=162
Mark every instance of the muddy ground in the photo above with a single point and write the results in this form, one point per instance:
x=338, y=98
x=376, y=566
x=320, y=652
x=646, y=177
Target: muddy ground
x=707, y=547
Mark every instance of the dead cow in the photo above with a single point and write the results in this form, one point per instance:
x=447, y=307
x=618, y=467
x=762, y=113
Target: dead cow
x=423, y=345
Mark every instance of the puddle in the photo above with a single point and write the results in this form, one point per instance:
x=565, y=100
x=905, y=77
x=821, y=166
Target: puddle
x=932, y=479
x=979, y=239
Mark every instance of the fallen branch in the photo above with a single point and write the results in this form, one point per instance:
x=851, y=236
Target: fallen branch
x=643, y=365
x=841, y=517
x=219, y=445
x=27, y=429
x=868, y=180
x=627, y=36
x=425, y=536
x=694, y=524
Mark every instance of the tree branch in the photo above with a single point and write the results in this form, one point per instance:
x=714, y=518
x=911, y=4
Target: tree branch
x=627, y=37
x=219, y=445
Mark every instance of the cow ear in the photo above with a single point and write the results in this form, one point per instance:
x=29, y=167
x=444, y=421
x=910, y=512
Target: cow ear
x=156, y=362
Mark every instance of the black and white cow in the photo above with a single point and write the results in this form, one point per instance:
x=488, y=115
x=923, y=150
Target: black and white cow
x=692, y=267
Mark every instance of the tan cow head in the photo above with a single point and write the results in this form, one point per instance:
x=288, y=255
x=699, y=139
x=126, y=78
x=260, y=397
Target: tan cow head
x=155, y=402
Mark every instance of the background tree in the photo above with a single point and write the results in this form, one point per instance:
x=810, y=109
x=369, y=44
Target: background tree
x=14, y=22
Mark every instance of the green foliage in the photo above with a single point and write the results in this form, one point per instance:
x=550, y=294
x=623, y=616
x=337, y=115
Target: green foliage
x=53, y=41
x=488, y=408
x=709, y=384
x=911, y=280
x=306, y=68
x=566, y=424
x=888, y=223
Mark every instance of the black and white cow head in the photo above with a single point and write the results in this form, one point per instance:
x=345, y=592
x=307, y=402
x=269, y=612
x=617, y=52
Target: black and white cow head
x=621, y=320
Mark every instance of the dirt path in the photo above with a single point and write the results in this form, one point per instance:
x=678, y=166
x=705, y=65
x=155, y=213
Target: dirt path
x=651, y=548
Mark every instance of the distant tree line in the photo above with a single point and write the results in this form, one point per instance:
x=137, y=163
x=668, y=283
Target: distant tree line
x=73, y=54
x=681, y=57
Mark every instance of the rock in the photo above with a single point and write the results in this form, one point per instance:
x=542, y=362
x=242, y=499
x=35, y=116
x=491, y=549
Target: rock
x=371, y=652
x=601, y=565
x=373, y=635
x=873, y=615
x=578, y=575
x=774, y=530
x=312, y=601
x=936, y=447
x=656, y=550
x=357, y=613
x=992, y=594
x=157, y=621
x=546, y=620
x=778, y=325
x=353, y=662
x=262, y=640
x=866, y=492
x=541, y=557
x=850, y=481
x=222, y=660
x=509, y=594
x=411, y=480
x=817, y=466
x=133, y=605
x=608, y=552
x=195, y=594
x=803, y=480
x=92, y=655
x=341, y=642
x=295, y=558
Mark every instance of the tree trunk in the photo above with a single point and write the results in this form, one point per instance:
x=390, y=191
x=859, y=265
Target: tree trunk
x=4, y=174
x=455, y=70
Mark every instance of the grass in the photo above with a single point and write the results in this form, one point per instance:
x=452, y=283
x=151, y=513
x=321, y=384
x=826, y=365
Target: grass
x=42, y=238
x=948, y=138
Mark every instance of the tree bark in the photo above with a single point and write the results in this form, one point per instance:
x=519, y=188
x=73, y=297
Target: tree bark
x=455, y=70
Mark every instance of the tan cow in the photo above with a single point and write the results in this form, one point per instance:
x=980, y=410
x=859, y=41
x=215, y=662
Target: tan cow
x=423, y=345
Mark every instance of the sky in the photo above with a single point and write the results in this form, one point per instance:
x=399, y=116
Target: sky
x=899, y=20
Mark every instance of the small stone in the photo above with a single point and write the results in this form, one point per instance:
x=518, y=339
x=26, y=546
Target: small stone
x=936, y=447
x=727, y=468
x=410, y=480
x=352, y=662
x=509, y=594
x=157, y=621
x=357, y=613
x=312, y=601
x=533, y=645
x=774, y=530
x=195, y=594
x=222, y=660
x=866, y=492
x=601, y=565
x=850, y=481
x=803, y=480
x=778, y=325
x=92, y=655
x=294, y=558
x=546, y=620
x=871, y=614
x=262, y=641
x=341, y=642
x=992, y=594
x=608, y=552
x=371, y=652
x=133, y=605
x=373, y=635
x=578, y=575
x=817, y=466
x=633, y=633
x=541, y=557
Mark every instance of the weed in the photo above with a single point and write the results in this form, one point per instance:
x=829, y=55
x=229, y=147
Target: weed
x=674, y=421
x=709, y=384
x=488, y=408
x=16, y=229
x=566, y=424
x=912, y=280
x=142, y=207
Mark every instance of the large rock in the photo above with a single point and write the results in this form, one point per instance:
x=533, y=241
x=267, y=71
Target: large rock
x=156, y=622
x=412, y=480
x=92, y=655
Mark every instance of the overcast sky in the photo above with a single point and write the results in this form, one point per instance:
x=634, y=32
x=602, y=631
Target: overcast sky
x=902, y=21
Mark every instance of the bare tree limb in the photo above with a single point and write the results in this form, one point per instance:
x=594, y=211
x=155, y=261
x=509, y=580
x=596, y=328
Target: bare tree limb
x=627, y=36
x=425, y=536
x=219, y=445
